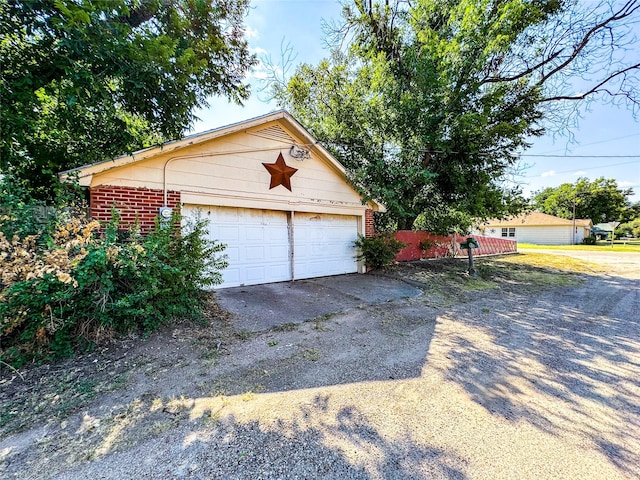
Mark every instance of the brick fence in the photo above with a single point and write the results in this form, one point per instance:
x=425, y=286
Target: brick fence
x=422, y=244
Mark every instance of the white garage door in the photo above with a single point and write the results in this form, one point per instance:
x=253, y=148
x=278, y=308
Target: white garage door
x=259, y=248
x=324, y=245
x=257, y=243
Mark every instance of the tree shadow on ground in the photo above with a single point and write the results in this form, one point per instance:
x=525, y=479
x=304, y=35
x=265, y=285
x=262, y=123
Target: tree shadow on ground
x=345, y=444
x=567, y=363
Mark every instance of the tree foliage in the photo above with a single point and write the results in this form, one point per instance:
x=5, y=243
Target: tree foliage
x=428, y=103
x=629, y=229
x=85, y=80
x=600, y=200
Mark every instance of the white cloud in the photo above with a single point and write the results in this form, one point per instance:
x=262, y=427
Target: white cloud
x=626, y=183
x=550, y=173
x=251, y=33
x=260, y=71
x=258, y=50
x=577, y=174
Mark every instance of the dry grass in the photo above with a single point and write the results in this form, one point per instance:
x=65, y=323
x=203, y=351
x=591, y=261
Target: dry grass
x=448, y=282
x=552, y=263
x=600, y=247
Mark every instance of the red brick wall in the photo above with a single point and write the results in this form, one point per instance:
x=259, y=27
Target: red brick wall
x=369, y=230
x=134, y=204
x=442, y=246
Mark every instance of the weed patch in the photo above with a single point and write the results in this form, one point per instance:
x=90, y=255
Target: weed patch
x=312, y=355
x=286, y=327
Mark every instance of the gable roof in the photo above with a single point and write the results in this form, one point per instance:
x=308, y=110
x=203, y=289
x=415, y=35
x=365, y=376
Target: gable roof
x=86, y=172
x=605, y=227
x=535, y=219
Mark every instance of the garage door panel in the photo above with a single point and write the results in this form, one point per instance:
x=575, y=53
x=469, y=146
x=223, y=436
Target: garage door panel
x=279, y=234
x=230, y=234
x=233, y=253
x=254, y=234
x=255, y=254
x=278, y=253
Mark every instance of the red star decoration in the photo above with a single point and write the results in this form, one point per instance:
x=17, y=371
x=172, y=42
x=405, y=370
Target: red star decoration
x=280, y=172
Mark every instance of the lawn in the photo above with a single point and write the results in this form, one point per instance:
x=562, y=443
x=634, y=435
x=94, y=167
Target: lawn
x=618, y=246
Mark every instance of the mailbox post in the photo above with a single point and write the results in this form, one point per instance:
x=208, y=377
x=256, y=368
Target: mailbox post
x=469, y=244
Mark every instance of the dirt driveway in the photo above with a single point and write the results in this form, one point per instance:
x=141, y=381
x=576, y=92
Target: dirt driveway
x=524, y=373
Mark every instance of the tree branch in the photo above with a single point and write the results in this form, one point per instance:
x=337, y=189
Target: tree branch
x=628, y=9
x=596, y=88
x=524, y=73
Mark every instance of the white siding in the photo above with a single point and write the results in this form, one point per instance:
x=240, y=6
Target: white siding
x=230, y=171
x=541, y=235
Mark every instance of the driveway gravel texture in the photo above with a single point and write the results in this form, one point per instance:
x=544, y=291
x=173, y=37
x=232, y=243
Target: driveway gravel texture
x=504, y=377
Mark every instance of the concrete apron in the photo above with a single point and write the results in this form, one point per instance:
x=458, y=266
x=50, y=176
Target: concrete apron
x=260, y=307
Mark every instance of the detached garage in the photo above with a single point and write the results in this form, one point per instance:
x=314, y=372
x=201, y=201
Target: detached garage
x=277, y=199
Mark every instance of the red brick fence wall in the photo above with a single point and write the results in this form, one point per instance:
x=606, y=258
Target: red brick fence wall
x=422, y=244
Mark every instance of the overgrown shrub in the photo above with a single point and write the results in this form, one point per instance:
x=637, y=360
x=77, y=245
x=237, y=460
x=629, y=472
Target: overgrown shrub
x=22, y=215
x=84, y=285
x=379, y=250
x=589, y=240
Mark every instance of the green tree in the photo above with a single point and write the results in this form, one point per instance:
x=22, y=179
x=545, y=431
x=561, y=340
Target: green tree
x=85, y=80
x=430, y=102
x=600, y=200
x=629, y=229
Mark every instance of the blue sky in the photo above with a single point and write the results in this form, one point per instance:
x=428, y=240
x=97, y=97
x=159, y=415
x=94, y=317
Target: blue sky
x=603, y=130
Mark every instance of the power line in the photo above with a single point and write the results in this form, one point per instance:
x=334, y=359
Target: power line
x=578, y=156
x=594, y=143
x=587, y=168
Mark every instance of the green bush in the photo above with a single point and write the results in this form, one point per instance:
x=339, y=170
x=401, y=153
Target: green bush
x=84, y=286
x=589, y=240
x=379, y=250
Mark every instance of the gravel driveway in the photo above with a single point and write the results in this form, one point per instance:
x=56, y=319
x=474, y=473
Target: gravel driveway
x=497, y=383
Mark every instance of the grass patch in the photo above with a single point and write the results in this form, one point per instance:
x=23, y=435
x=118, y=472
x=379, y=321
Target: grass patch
x=244, y=334
x=554, y=263
x=285, y=327
x=318, y=322
x=448, y=283
x=600, y=247
x=312, y=354
x=471, y=284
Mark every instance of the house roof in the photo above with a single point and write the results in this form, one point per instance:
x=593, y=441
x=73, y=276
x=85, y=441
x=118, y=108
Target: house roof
x=606, y=227
x=197, y=138
x=86, y=172
x=537, y=219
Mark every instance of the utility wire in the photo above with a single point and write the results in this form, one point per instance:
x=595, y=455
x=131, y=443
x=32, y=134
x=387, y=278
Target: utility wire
x=587, y=168
x=593, y=143
x=578, y=156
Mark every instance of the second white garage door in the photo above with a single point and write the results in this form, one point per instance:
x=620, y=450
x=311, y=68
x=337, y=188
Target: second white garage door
x=259, y=248
x=324, y=245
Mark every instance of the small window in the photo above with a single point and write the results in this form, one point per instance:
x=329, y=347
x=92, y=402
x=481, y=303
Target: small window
x=509, y=232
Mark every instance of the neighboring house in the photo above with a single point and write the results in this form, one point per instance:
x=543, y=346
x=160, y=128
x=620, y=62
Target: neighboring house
x=603, y=231
x=278, y=200
x=538, y=228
